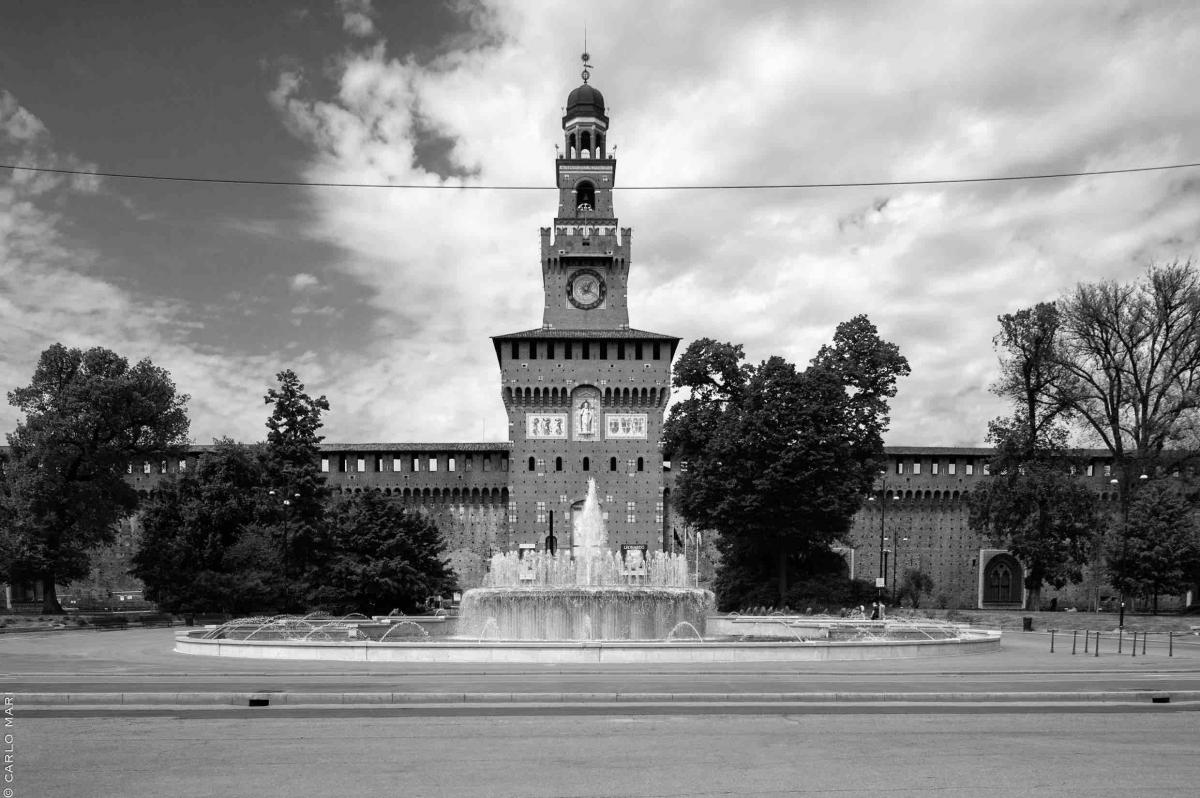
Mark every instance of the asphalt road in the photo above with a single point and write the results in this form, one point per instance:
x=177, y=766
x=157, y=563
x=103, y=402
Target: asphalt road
x=1014, y=753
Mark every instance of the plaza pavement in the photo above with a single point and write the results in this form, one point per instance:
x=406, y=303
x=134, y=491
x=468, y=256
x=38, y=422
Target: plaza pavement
x=88, y=672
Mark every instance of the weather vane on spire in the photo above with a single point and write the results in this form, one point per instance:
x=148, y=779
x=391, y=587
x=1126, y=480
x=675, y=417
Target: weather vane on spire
x=587, y=68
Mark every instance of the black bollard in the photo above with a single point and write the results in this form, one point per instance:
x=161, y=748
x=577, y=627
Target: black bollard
x=1097, y=643
x=1171, y=644
x=1120, y=638
x=1133, y=647
x=1087, y=636
x=1144, y=643
x=1074, y=637
x=1051, y=641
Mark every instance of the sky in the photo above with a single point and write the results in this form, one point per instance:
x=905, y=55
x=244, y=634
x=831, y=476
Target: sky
x=384, y=299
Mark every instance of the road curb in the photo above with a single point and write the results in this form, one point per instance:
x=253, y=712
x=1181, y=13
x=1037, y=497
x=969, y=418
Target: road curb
x=349, y=699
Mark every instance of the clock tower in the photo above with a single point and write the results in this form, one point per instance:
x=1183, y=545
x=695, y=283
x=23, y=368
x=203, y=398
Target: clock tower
x=585, y=392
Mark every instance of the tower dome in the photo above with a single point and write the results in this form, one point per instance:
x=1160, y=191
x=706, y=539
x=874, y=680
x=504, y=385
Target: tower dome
x=586, y=101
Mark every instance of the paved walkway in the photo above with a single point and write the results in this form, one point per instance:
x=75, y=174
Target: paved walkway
x=139, y=668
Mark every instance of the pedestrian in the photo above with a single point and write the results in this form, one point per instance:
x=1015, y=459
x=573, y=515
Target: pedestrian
x=875, y=610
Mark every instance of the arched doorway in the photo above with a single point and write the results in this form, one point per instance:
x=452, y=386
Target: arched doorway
x=1003, y=580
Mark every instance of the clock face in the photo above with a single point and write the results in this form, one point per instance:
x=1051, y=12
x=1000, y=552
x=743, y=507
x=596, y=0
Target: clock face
x=586, y=289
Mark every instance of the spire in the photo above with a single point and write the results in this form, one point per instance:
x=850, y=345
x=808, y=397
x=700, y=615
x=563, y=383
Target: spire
x=587, y=67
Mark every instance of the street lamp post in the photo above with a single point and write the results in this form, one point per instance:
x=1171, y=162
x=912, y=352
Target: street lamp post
x=1124, y=505
x=895, y=567
x=882, y=533
x=287, y=587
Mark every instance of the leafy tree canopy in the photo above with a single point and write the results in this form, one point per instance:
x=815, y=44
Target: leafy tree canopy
x=1159, y=551
x=374, y=556
x=88, y=414
x=778, y=459
x=203, y=548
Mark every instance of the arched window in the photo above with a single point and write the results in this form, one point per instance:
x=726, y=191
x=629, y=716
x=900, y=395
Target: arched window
x=558, y=464
x=585, y=195
x=532, y=464
x=641, y=464
x=612, y=464
x=587, y=464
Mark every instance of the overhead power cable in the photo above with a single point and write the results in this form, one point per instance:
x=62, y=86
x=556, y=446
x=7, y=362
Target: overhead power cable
x=716, y=187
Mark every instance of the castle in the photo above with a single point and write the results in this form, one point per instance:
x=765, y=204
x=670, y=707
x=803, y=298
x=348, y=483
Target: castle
x=585, y=395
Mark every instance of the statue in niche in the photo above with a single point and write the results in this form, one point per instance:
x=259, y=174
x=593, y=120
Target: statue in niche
x=587, y=418
x=558, y=426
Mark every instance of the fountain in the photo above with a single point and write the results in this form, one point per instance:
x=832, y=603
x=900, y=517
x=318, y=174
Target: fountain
x=590, y=593
x=589, y=605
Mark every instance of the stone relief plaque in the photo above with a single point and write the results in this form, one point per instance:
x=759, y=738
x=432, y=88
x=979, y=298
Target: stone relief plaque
x=626, y=425
x=551, y=426
x=585, y=415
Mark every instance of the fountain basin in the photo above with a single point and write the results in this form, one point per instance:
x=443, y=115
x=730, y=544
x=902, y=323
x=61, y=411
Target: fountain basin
x=583, y=613
x=970, y=641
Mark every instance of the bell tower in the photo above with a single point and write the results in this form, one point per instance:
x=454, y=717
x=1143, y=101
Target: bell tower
x=585, y=256
x=584, y=392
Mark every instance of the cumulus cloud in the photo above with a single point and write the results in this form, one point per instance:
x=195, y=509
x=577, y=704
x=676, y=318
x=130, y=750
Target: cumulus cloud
x=303, y=282
x=724, y=94
x=774, y=92
x=357, y=17
x=49, y=292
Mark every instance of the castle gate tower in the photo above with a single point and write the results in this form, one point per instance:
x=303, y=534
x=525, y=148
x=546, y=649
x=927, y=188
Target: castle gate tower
x=585, y=392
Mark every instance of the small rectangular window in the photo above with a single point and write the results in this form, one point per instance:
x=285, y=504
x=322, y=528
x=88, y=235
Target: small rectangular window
x=504, y=463
x=585, y=350
x=604, y=350
x=341, y=463
x=933, y=467
x=450, y=464
x=487, y=463
x=162, y=467
x=658, y=512
x=951, y=467
x=549, y=350
x=541, y=465
x=541, y=512
x=568, y=350
x=970, y=468
x=378, y=463
x=533, y=350
x=515, y=350
x=129, y=468
x=1108, y=469
x=620, y=350
x=899, y=467
x=362, y=465
x=637, y=351
x=433, y=463
x=1091, y=469
x=631, y=512
x=987, y=469
x=916, y=467
x=512, y=511
x=416, y=463
x=469, y=462
x=325, y=464
x=146, y=467
x=657, y=353
x=183, y=464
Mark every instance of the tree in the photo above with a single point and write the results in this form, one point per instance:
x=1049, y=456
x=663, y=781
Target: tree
x=778, y=459
x=1129, y=367
x=1158, y=550
x=88, y=415
x=375, y=556
x=203, y=548
x=1032, y=505
x=1122, y=361
x=292, y=470
x=914, y=584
